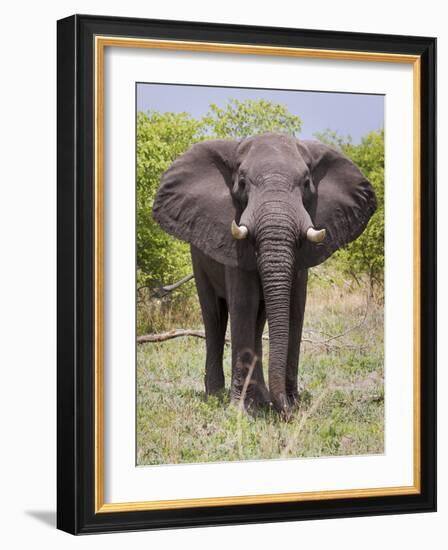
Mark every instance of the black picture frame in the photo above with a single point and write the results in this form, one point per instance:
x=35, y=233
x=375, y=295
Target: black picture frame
x=76, y=511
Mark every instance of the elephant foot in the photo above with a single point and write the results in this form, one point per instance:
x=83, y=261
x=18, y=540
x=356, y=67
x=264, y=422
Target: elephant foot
x=214, y=385
x=261, y=395
x=254, y=399
x=282, y=405
x=248, y=384
x=292, y=398
x=288, y=404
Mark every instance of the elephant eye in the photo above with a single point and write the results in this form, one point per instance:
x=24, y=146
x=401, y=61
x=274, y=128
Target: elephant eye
x=307, y=184
x=242, y=183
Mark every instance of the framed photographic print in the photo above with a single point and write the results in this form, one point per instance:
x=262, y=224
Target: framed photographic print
x=246, y=274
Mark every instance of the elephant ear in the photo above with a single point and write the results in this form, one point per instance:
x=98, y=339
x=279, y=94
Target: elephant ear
x=345, y=201
x=194, y=203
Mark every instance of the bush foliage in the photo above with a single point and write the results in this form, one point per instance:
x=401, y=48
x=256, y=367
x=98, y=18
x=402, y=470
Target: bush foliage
x=161, y=138
x=241, y=119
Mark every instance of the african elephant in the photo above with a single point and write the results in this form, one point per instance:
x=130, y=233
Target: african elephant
x=258, y=213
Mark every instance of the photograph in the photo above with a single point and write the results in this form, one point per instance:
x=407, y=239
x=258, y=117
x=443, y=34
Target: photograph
x=259, y=274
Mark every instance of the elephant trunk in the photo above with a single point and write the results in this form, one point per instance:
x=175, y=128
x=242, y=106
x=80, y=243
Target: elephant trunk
x=277, y=234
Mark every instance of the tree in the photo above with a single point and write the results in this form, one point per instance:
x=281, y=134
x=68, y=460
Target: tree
x=365, y=255
x=161, y=138
x=240, y=119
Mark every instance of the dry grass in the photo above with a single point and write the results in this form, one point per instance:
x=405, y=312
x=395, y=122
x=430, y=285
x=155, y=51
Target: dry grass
x=342, y=407
x=159, y=315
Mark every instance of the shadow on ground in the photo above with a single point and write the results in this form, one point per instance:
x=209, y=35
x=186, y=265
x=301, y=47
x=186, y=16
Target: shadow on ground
x=48, y=517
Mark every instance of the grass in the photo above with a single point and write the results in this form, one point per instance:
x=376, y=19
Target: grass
x=342, y=406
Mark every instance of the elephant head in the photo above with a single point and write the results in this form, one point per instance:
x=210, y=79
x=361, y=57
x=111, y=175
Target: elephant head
x=269, y=203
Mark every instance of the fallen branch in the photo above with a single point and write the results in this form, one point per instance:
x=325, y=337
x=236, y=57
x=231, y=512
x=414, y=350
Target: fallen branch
x=176, y=333
x=162, y=291
x=180, y=332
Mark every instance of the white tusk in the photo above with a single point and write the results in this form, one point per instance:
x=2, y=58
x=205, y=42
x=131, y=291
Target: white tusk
x=239, y=232
x=315, y=236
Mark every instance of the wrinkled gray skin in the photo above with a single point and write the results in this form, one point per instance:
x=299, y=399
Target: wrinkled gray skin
x=277, y=187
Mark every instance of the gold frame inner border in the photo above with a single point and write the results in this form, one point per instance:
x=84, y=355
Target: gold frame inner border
x=101, y=42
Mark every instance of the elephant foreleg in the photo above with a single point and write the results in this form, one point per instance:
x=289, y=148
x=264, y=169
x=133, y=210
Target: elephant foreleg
x=215, y=316
x=216, y=323
x=243, y=299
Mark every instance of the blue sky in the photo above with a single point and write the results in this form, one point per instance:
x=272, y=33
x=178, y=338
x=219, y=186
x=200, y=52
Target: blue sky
x=348, y=114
